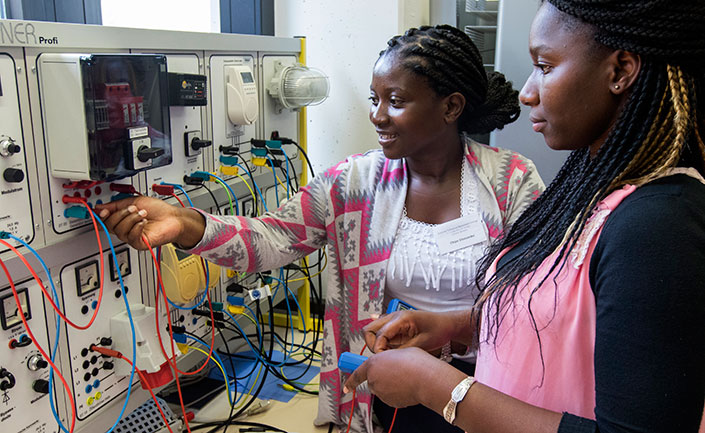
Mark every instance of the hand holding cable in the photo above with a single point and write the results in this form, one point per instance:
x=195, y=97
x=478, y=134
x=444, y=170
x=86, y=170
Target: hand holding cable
x=159, y=222
x=423, y=329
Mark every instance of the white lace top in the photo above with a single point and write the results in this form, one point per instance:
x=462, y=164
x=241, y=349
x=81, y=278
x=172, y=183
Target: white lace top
x=417, y=272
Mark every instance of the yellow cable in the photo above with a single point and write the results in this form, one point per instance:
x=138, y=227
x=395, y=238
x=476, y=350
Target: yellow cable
x=222, y=370
x=227, y=191
x=279, y=181
x=251, y=319
x=251, y=389
x=254, y=199
x=325, y=264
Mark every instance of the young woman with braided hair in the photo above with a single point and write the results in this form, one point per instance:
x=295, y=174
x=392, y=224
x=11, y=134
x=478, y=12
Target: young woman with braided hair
x=592, y=313
x=429, y=91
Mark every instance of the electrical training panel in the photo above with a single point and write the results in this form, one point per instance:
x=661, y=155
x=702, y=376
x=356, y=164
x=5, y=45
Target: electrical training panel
x=92, y=114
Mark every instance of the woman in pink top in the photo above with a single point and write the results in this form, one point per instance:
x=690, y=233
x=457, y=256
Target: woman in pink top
x=592, y=314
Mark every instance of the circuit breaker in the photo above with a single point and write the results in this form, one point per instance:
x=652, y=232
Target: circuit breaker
x=106, y=116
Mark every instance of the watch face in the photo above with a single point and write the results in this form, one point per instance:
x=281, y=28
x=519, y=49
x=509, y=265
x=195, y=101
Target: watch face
x=458, y=394
x=459, y=391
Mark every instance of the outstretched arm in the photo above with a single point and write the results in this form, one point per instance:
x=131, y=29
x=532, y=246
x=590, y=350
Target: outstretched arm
x=159, y=222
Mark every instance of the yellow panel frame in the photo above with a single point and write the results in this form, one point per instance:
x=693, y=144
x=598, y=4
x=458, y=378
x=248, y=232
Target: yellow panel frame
x=304, y=293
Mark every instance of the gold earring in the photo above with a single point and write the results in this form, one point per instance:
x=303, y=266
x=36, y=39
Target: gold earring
x=616, y=86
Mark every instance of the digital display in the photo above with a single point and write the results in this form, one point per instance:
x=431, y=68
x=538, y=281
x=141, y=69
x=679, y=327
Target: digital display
x=181, y=255
x=247, y=77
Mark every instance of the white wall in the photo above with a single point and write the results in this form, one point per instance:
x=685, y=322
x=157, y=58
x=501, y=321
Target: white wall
x=184, y=15
x=344, y=39
x=513, y=60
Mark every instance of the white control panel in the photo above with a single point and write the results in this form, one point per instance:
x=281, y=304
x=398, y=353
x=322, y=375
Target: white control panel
x=24, y=373
x=93, y=376
x=186, y=126
x=15, y=204
x=231, y=141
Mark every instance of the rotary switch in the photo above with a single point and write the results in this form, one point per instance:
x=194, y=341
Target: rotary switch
x=8, y=147
x=13, y=175
x=41, y=386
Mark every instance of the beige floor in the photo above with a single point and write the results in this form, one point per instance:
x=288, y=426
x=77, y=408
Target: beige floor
x=295, y=416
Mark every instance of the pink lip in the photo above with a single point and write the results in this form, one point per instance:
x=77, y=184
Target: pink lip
x=537, y=124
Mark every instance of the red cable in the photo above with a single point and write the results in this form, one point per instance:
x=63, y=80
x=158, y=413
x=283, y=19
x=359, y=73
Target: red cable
x=115, y=354
x=177, y=198
x=48, y=295
x=172, y=360
x=352, y=405
x=160, y=288
x=391, y=426
x=34, y=340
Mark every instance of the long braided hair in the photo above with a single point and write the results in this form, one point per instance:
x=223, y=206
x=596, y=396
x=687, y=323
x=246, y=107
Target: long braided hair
x=451, y=62
x=661, y=126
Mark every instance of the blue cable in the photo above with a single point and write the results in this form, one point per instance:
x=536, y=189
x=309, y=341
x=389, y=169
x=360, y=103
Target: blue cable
x=288, y=308
x=55, y=297
x=255, y=185
x=274, y=175
x=180, y=188
x=132, y=324
x=237, y=206
x=215, y=355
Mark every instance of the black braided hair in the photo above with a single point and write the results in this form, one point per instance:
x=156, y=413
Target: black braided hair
x=451, y=62
x=662, y=125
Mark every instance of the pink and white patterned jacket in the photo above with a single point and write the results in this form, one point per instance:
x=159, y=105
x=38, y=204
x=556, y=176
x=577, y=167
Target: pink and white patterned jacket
x=354, y=209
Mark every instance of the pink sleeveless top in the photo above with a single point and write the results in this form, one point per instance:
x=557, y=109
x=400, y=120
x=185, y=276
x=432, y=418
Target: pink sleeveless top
x=564, y=310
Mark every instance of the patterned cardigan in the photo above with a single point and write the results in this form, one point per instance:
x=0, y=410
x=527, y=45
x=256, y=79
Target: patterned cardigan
x=354, y=209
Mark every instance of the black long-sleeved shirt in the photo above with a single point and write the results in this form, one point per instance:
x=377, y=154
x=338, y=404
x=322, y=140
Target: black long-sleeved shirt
x=648, y=275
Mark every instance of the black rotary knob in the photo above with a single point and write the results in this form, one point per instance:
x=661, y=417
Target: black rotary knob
x=41, y=386
x=13, y=175
x=198, y=143
x=13, y=148
x=8, y=147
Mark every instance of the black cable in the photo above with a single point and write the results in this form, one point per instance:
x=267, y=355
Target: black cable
x=305, y=155
x=231, y=419
x=215, y=202
x=232, y=401
x=252, y=179
x=233, y=422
